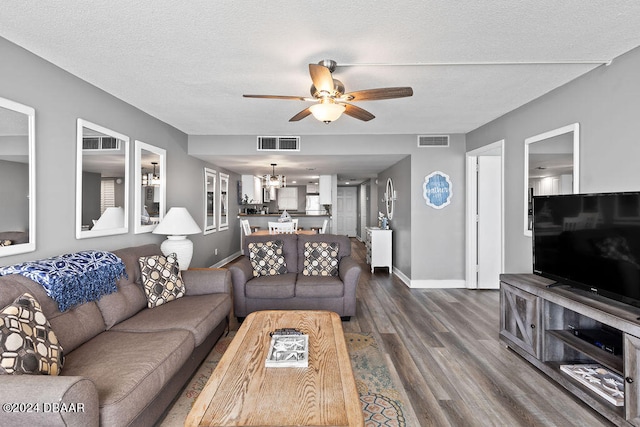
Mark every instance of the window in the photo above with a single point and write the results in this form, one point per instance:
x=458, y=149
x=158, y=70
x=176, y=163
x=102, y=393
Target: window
x=288, y=198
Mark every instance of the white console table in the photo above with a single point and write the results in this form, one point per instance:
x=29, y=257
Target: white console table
x=379, y=248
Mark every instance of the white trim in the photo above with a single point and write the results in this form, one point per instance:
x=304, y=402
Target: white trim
x=80, y=234
x=471, y=201
x=403, y=278
x=438, y=284
x=575, y=128
x=30, y=112
x=226, y=260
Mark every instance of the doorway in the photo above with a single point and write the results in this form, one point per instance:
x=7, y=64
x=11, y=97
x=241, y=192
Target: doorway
x=347, y=211
x=485, y=216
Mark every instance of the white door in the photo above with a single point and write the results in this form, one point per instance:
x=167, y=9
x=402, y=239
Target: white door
x=347, y=212
x=489, y=224
x=363, y=211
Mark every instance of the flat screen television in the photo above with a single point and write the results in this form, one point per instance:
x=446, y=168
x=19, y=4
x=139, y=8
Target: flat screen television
x=590, y=241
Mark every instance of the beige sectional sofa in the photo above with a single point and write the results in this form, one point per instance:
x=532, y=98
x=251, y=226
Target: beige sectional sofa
x=293, y=290
x=125, y=363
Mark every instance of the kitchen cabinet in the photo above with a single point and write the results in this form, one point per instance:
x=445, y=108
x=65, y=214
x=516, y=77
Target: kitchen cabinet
x=325, y=186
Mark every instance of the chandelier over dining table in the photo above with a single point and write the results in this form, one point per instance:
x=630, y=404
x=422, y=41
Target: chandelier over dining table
x=272, y=180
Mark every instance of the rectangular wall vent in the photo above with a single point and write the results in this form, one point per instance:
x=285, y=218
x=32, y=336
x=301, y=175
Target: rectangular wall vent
x=278, y=143
x=100, y=143
x=433, y=140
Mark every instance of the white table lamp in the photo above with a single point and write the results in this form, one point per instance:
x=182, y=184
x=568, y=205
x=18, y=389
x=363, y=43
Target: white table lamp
x=177, y=224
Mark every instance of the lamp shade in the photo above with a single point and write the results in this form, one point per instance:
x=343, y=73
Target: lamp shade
x=177, y=222
x=327, y=111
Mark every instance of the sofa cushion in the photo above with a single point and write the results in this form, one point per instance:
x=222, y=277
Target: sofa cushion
x=319, y=287
x=280, y=286
x=320, y=259
x=344, y=243
x=73, y=327
x=129, y=368
x=289, y=247
x=130, y=297
x=28, y=345
x=161, y=279
x=198, y=314
x=267, y=258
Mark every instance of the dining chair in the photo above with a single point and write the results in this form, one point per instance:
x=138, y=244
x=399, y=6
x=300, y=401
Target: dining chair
x=295, y=224
x=280, y=227
x=324, y=226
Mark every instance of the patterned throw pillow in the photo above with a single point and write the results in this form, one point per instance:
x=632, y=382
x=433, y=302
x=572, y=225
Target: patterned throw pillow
x=28, y=345
x=161, y=279
x=320, y=259
x=267, y=258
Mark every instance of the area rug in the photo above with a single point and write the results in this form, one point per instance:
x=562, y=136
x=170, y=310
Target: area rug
x=381, y=402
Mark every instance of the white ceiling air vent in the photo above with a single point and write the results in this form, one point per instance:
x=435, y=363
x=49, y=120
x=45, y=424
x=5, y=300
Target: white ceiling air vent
x=278, y=143
x=433, y=141
x=100, y=143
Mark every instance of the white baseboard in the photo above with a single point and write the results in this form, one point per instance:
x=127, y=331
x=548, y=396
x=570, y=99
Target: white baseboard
x=429, y=284
x=226, y=260
x=438, y=284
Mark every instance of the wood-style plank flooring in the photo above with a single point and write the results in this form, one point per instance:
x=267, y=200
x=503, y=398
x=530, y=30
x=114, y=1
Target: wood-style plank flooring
x=442, y=346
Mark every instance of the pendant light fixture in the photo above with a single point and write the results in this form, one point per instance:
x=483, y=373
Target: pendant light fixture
x=272, y=180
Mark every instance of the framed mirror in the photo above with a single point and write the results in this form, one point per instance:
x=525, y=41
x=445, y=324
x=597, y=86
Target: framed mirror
x=17, y=178
x=224, y=202
x=209, y=201
x=390, y=197
x=150, y=187
x=102, y=177
x=551, y=166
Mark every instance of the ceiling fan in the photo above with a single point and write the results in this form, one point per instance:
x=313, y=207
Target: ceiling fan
x=330, y=98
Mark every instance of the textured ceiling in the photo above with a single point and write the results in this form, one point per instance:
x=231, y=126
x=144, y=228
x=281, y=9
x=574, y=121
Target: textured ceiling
x=188, y=63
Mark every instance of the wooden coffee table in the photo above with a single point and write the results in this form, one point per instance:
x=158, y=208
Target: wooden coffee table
x=243, y=392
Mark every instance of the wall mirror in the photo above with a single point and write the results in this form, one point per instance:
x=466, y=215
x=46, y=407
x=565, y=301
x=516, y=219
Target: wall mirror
x=150, y=187
x=551, y=165
x=17, y=178
x=102, y=177
x=224, y=202
x=389, y=198
x=209, y=201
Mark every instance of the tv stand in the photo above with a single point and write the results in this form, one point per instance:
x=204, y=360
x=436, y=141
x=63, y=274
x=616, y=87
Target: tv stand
x=537, y=321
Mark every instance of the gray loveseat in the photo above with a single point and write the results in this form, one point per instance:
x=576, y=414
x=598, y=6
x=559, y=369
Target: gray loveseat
x=125, y=363
x=293, y=290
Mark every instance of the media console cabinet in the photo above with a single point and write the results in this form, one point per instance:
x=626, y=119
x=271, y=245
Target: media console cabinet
x=538, y=321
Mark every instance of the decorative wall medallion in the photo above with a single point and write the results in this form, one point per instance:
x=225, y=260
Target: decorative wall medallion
x=437, y=190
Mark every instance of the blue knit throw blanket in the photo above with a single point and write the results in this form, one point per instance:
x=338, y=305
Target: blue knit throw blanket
x=73, y=279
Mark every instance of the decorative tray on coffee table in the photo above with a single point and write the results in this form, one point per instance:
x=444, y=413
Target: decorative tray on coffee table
x=289, y=349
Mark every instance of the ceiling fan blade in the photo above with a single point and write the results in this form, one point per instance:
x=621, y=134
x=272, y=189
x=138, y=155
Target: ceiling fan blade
x=296, y=98
x=321, y=77
x=358, y=113
x=376, y=94
x=301, y=115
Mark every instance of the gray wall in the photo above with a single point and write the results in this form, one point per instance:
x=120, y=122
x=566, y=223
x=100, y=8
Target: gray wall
x=400, y=174
x=438, y=235
x=14, y=192
x=606, y=103
x=59, y=99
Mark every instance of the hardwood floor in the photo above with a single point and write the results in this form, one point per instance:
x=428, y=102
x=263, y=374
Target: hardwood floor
x=442, y=345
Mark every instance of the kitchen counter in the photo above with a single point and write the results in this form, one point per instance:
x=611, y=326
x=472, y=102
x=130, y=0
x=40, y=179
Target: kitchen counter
x=305, y=221
x=278, y=215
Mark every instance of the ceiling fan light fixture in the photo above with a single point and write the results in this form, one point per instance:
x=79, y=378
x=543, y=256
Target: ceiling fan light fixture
x=327, y=111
